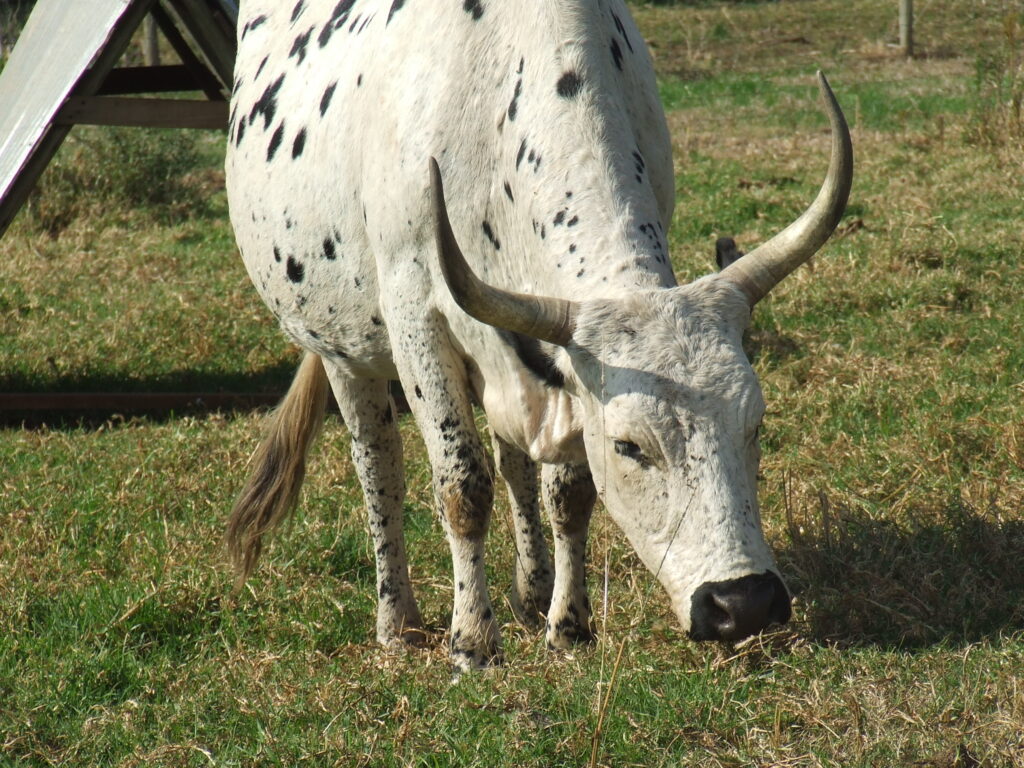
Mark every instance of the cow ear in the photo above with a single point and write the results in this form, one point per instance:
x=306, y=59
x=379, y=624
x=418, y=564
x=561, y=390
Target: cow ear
x=540, y=317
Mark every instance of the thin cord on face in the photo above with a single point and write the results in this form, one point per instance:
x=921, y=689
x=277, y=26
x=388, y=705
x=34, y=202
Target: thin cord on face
x=664, y=557
x=604, y=485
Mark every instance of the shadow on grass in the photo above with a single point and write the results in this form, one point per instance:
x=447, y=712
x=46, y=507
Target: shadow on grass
x=950, y=578
x=93, y=399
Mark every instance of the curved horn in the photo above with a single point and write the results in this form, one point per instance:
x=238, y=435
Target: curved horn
x=544, y=318
x=762, y=269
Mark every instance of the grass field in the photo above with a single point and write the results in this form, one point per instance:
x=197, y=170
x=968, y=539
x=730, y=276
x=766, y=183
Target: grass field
x=893, y=470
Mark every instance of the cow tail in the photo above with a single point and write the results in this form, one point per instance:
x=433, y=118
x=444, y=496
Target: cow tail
x=278, y=467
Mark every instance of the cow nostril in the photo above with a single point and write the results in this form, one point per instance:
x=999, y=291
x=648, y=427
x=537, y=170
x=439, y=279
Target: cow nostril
x=738, y=608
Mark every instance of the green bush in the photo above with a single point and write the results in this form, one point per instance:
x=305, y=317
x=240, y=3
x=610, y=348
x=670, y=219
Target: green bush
x=158, y=172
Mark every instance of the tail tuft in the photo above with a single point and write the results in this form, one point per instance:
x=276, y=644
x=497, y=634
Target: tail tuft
x=279, y=466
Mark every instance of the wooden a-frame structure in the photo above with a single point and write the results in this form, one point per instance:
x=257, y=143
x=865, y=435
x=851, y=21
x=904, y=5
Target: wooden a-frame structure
x=62, y=73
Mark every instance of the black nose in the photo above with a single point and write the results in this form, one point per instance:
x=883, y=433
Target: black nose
x=738, y=608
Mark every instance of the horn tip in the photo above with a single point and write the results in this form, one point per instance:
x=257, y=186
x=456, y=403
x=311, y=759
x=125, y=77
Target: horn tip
x=823, y=83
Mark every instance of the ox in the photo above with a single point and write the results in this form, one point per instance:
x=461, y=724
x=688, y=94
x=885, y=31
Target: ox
x=535, y=284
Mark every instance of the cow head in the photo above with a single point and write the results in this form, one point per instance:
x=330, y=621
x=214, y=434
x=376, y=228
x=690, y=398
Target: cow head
x=671, y=407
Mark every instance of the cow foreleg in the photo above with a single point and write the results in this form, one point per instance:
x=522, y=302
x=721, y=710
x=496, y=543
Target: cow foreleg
x=534, y=576
x=434, y=379
x=569, y=497
x=369, y=413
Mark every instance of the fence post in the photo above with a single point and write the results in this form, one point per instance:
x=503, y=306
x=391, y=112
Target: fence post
x=150, y=43
x=907, y=27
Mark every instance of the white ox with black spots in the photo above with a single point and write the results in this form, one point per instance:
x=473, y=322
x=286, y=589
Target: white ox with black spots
x=562, y=320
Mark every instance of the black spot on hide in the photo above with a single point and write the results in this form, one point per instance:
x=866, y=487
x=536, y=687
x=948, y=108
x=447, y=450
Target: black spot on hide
x=569, y=85
x=338, y=18
x=295, y=270
x=622, y=31
x=299, y=45
x=508, y=192
x=489, y=233
x=513, y=107
x=252, y=24
x=299, y=144
x=329, y=253
x=395, y=6
x=520, y=153
x=275, y=142
x=534, y=358
x=474, y=8
x=617, y=54
x=297, y=10
x=266, y=105
x=325, y=100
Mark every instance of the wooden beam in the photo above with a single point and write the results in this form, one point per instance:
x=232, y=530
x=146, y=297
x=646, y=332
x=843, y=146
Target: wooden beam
x=212, y=31
x=207, y=81
x=168, y=78
x=907, y=27
x=144, y=113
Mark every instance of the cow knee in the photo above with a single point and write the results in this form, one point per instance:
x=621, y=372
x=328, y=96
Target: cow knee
x=571, y=495
x=465, y=500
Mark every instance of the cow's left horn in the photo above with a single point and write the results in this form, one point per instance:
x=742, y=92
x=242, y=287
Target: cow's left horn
x=541, y=317
x=764, y=267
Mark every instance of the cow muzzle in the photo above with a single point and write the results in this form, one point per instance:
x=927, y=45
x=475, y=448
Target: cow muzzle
x=738, y=608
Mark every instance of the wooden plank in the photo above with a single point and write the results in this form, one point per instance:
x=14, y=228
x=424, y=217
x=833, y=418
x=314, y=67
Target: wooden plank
x=144, y=113
x=168, y=78
x=907, y=27
x=212, y=31
x=208, y=82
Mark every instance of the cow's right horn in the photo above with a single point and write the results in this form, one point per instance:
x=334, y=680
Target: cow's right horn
x=764, y=267
x=545, y=318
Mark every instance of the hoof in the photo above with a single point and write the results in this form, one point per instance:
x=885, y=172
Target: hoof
x=564, y=634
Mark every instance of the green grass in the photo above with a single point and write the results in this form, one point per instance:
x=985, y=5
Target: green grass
x=892, y=477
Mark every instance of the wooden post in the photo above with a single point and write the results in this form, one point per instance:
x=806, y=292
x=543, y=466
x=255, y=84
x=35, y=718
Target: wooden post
x=150, y=43
x=907, y=27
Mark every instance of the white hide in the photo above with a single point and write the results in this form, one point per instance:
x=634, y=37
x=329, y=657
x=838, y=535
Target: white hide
x=554, y=186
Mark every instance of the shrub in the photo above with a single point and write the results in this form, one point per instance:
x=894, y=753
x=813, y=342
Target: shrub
x=158, y=172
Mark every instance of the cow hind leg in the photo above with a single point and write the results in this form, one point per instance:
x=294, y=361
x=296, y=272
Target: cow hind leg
x=434, y=379
x=569, y=496
x=369, y=413
x=534, y=575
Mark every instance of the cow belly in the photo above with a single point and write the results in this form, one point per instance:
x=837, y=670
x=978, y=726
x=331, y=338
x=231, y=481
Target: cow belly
x=326, y=303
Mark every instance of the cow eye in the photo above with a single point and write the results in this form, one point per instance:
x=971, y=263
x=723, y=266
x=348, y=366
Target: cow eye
x=630, y=451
